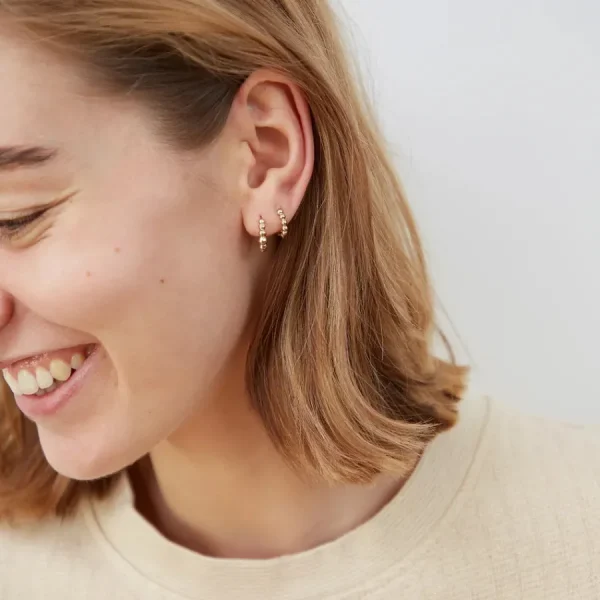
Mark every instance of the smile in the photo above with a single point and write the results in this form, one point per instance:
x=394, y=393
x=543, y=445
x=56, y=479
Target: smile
x=42, y=374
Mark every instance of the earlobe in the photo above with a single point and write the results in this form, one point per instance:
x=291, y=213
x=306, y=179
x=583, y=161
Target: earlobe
x=282, y=147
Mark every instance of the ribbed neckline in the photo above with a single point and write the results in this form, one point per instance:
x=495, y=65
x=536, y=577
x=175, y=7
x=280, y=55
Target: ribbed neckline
x=340, y=566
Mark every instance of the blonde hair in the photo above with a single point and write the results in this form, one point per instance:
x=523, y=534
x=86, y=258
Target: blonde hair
x=341, y=369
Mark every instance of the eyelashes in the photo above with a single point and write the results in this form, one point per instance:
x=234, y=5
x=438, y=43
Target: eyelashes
x=11, y=228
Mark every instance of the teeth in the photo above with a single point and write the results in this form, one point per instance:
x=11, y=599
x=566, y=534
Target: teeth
x=13, y=384
x=48, y=390
x=60, y=370
x=77, y=360
x=44, y=378
x=27, y=383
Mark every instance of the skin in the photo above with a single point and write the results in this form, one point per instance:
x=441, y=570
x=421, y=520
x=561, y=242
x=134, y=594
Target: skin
x=153, y=253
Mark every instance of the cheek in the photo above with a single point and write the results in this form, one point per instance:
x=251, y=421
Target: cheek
x=176, y=280
x=162, y=276
x=79, y=288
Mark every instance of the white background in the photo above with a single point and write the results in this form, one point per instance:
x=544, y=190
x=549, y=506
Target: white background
x=492, y=110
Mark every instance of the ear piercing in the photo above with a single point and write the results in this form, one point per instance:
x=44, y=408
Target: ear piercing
x=262, y=238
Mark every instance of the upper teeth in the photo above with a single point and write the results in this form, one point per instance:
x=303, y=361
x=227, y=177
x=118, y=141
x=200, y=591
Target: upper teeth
x=44, y=378
x=28, y=383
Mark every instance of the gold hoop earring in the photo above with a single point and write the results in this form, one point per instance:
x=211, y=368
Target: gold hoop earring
x=263, y=235
x=284, y=224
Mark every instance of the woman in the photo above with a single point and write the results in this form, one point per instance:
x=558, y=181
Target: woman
x=216, y=332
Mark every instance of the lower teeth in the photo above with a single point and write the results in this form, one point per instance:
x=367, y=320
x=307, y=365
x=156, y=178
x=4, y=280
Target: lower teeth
x=54, y=386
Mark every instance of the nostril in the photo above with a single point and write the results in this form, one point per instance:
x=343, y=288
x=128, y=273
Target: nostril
x=6, y=309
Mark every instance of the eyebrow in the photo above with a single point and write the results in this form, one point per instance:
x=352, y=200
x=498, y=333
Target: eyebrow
x=16, y=157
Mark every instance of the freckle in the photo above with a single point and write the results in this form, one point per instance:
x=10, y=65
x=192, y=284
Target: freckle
x=88, y=274
x=117, y=250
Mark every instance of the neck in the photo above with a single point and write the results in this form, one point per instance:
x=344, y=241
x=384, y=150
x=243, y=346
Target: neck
x=220, y=488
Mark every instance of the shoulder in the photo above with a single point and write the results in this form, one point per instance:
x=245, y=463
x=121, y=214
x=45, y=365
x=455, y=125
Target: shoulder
x=524, y=521
x=46, y=538
x=46, y=557
x=560, y=461
x=532, y=465
x=531, y=502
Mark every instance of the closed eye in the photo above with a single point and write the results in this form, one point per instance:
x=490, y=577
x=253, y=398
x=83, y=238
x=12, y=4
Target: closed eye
x=12, y=227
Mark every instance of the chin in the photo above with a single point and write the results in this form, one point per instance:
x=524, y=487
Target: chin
x=85, y=461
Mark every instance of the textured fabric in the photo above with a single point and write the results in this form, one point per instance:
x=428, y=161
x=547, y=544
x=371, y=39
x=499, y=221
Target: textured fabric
x=503, y=506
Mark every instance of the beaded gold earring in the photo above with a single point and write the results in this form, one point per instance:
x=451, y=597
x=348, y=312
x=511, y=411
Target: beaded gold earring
x=284, y=224
x=262, y=227
x=263, y=235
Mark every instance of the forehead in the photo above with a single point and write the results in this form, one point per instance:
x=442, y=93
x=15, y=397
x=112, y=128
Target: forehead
x=41, y=94
x=46, y=101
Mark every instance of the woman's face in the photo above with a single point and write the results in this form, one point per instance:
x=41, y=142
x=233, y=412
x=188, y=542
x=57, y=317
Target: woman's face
x=142, y=252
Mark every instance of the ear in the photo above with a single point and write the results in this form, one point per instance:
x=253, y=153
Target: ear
x=276, y=120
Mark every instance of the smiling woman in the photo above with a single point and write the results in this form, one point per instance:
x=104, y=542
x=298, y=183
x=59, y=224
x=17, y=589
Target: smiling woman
x=186, y=151
x=161, y=190
x=217, y=327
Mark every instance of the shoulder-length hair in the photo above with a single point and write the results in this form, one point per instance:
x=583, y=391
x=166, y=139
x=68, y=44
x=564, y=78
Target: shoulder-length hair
x=342, y=368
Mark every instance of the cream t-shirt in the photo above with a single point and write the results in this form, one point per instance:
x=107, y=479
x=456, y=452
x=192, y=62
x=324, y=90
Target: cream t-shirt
x=503, y=506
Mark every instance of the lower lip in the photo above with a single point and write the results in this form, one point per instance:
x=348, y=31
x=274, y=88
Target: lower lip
x=50, y=404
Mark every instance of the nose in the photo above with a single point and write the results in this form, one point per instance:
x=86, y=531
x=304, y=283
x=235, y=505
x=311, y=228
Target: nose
x=6, y=309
